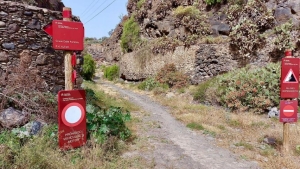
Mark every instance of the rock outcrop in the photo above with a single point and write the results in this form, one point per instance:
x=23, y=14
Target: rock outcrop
x=25, y=45
x=201, y=53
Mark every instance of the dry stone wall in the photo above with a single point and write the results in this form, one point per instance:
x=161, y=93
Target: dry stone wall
x=22, y=36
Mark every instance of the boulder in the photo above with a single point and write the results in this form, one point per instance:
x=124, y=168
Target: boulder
x=274, y=112
x=282, y=15
x=11, y=118
x=220, y=28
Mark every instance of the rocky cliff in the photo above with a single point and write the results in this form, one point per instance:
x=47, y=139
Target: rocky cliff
x=26, y=50
x=201, y=40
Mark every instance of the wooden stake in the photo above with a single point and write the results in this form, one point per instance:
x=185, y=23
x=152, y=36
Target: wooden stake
x=286, y=138
x=67, y=16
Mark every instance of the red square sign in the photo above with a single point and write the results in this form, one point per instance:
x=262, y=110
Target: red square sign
x=289, y=83
x=67, y=35
x=288, y=111
x=71, y=118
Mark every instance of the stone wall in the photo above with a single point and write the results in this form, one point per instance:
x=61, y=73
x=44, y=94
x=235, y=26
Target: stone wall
x=21, y=34
x=199, y=62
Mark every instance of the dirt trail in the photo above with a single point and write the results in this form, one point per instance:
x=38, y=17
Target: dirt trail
x=174, y=145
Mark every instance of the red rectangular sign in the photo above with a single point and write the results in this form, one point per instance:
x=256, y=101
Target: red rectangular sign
x=71, y=118
x=67, y=35
x=288, y=111
x=289, y=83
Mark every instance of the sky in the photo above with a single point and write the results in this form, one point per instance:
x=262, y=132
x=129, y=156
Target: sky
x=101, y=24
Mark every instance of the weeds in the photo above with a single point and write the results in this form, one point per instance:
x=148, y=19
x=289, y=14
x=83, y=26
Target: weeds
x=195, y=126
x=111, y=72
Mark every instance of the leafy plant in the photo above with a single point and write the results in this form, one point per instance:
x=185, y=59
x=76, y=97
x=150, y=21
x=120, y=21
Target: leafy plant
x=212, y=2
x=283, y=38
x=130, y=37
x=102, y=124
x=201, y=90
x=248, y=23
x=140, y=3
x=111, y=72
x=148, y=84
x=194, y=22
x=88, y=68
x=250, y=89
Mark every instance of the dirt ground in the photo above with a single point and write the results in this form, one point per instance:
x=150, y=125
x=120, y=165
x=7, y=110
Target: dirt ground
x=170, y=144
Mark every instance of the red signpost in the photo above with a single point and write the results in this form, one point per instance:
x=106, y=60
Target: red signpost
x=68, y=36
x=289, y=90
x=289, y=78
x=288, y=111
x=71, y=119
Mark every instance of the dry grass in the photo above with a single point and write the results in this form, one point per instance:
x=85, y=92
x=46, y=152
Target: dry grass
x=242, y=133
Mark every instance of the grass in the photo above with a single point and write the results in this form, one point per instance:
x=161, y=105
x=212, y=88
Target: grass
x=195, y=126
x=43, y=152
x=238, y=128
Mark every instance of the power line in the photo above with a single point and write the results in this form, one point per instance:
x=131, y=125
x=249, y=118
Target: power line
x=100, y=12
x=88, y=7
x=96, y=9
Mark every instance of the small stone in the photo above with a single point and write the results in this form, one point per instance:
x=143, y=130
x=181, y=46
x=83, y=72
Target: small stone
x=170, y=95
x=2, y=24
x=3, y=13
x=36, y=127
x=8, y=46
x=31, y=34
x=3, y=57
x=34, y=24
x=41, y=59
x=28, y=13
x=12, y=28
x=11, y=117
x=34, y=47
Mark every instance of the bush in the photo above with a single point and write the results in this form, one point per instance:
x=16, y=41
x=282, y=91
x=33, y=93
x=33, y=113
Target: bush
x=190, y=11
x=200, y=94
x=250, y=89
x=111, y=72
x=212, y=2
x=148, y=84
x=102, y=124
x=130, y=36
x=169, y=75
x=89, y=67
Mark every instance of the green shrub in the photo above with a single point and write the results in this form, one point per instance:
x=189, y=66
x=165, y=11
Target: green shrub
x=201, y=90
x=148, y=84
x=250, y=89
x=190, y=11
x=140, y=3
x=102, y=124
x=212, y=2
x=171, y=76
x=88, y=68
x=111, y=72
x=130, y=37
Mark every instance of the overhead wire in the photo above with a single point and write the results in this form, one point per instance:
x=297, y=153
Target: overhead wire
x=86, y=9
x=96, y=9
x=100, y=12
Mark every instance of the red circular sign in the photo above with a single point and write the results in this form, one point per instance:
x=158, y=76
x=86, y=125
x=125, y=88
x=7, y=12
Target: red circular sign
x=288, y=110
x=72, y=114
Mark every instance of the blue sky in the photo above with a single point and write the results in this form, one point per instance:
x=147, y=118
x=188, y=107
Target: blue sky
x=102, y=23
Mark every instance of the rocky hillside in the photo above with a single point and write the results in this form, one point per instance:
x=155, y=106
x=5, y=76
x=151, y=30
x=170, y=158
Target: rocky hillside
x=202, y=38
x=54, y=5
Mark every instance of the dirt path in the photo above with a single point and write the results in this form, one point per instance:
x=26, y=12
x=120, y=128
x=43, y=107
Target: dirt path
x=174, y=145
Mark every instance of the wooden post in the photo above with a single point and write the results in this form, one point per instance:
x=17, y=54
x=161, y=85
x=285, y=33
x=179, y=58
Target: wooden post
x=286, y=137
x=286, y=126
x=67, y=16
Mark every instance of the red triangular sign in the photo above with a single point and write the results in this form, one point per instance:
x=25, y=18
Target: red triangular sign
x=290, y=77
x=48, y=29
